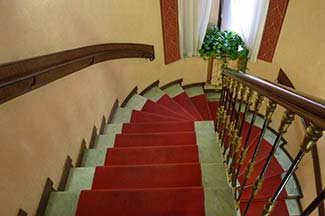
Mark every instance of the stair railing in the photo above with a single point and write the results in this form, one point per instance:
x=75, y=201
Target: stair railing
x=241, y=89
x=20, y=77
x=284, y=80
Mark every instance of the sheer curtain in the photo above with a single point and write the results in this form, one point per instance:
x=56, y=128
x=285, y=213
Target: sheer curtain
x=193, y=18
x=247, y=19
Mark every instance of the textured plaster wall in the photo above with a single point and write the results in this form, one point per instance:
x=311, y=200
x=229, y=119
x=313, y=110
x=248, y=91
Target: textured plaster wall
x=300, y=52
x=38, y=130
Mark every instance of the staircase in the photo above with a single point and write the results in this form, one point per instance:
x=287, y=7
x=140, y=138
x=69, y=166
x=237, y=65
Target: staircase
x=160, y=155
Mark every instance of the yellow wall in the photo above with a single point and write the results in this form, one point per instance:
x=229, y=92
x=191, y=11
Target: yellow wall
x=300, y=49
x=300, y=52
x=40, y=128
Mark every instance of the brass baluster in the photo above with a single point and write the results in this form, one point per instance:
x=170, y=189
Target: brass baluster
x=250, y=168
x=313, y=133
x=271, y=106
x=231, y=135
x=236, y=89
x=247, y=98
x=227, y=108
x=240, y=92
x=236, y=142
x=257, y=105
x=243, y=94
x=286, y=121
x=231, y=108
x=222, y=102
x=219, y=117
x=225, y=83
x=223, y=91
x=229, y=93
x=225, y=125
x=226, y=101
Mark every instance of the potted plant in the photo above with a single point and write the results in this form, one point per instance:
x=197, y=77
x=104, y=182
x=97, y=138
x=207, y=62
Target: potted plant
x=223, y=45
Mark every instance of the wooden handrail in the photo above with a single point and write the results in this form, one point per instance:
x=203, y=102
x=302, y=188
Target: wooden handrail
x=308, y=107
x=19, y=77
x=283, y=79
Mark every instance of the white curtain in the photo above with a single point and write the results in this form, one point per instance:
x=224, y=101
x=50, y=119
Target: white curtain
x=193, y=18
x=247, y=19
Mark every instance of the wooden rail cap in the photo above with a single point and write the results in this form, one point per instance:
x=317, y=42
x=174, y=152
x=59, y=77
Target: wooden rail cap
x=19, y=77
x=308, y=107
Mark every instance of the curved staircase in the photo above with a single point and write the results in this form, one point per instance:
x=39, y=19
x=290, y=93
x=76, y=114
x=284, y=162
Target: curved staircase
x=160, y=156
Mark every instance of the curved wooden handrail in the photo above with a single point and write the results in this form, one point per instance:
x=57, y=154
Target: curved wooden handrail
x=19, y=77
x=308, y=107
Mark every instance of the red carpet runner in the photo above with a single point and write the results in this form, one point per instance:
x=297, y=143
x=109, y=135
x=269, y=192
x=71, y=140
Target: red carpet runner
x=154, y=167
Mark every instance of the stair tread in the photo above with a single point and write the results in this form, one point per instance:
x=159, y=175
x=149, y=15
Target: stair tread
x=174, y=90
x=154, y=94
x=142, y=116
x=173, y=105
x=147, y=176
x=160, y=156
x=201, y=104
x=155, y=139
x=158, y=127
x=184, y=201
x=157, y=154
x=194, y=90
x=184, y=100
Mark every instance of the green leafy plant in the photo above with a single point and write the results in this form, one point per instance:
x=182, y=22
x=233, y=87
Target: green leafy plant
x=223, y=45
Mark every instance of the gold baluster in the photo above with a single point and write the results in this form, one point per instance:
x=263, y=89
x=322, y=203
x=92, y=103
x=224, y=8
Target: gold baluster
x=268, y=208
x=250, y=168
x=248, y=95
x=240, y=92
x=258, y=102
x=234, y=89
x=247, y=98
x=225, y=84
x=225, y=122
x=236, y=144
x=270, y=109
x=313, y=133
x=219, y=116
x=231, y=133
x=286, y=121
x=225, y=129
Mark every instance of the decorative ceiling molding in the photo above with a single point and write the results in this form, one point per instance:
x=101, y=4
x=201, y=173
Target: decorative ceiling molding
x=273, y=24
x=169, y=17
